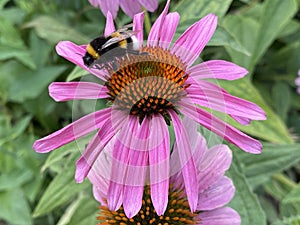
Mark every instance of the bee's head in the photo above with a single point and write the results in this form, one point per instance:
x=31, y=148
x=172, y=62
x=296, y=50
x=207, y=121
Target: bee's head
x=88, y=59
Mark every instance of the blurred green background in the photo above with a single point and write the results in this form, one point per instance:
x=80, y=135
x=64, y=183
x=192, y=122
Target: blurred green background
x=262, y=36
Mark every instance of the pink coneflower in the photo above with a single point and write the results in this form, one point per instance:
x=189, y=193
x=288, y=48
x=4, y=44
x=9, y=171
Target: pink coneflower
x=147, y=93
x=130, y=7
x=297, y=82
x=214, y=190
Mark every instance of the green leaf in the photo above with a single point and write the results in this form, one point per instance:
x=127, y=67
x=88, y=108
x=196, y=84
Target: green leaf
x=222, y=37
x=59, y=155
x=29, y=85
x=54, y=31
x=13, y=14
x=273, y=159
x=257, y=35
x=14, y=179
x=66, y=217
x=245, y=201
x=12, y=45
x=293, y=196
x=12, y=133
x=77, y=72
x=277, y=14
x=293, y=220
x=60, y=191
x=279, y=187
x=282, y=99
x=272, y=129
x=198, y=9
x=14, y=207
x=23, y=55
x=86, y=213
x=244, y=30
x=2, y=3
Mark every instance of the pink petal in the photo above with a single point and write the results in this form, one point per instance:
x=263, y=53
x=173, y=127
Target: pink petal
x=74, y=54
x=156, y=30
x=136, y=173
x=226, y=103
x=191, y=43
x=115, y=195
x=65, y=91
x=215, y=162
x=297, y=81
x=222, y=129
x=159, y=152
x=129, y=154
x=99, y=195
x=169, y=28
x=188, y=170
x=109, y=27
x=205, y=85
x=149, y=5
x=73, y=131
x=217, y=69
x=138, y=22
x=94, y=3
x=130, y=7
x=221, y=216
x=94, y=148
x=217, y=195
x=109, y=6
x=132, y=200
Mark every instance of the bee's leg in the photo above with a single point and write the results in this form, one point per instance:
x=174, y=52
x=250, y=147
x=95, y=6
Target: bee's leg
x=133, y=52
x=115, y=65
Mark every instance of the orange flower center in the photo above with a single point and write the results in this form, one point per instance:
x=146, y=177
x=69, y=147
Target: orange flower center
x=148, y=83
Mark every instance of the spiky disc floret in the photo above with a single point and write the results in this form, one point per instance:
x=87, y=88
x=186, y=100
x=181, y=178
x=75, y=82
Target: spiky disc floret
x=177, y=212
x=148, y=83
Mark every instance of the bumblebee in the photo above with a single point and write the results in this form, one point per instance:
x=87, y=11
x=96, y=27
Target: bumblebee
x=105, y=49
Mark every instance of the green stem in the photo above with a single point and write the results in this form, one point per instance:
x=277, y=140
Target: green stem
x=147, y=23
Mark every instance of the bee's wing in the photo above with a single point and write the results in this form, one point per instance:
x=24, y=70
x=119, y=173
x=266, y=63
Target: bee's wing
x=122, y=36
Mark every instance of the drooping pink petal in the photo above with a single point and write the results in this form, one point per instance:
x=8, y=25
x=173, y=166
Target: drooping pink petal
x=217, y=69
x=149, y=5
x=159, y=152
x=217, y=195
x=120, y=163
x=109, y=6
x=99, y=195
x=130, y=7
x=136, y=174
x=93, y=149
x=169, y=28
x=136, y=170
x=218, y=154
x=297, y=81
x=65, y=91
x=188, y=170
x=73, y=131
x=222, y=129
x=226, y=103
x=191, y=43
x=94, y=3
x=138, y=22
x=221, y=216
x=156, y=30
x=74, y=54
x=109, y=27
x=205, y=85
x=197, y=142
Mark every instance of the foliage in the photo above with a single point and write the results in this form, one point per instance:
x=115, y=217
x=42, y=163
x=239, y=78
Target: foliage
x=262, y=36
